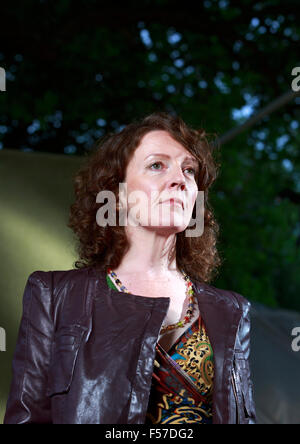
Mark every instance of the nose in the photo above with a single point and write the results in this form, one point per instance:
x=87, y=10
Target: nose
x=176, y=177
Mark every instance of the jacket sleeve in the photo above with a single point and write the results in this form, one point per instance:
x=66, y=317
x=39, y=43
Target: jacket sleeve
x=27, y=402
x=242, y=358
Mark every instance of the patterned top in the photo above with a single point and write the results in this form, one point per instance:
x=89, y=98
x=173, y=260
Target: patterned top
x=182, y=382
x=182, y=386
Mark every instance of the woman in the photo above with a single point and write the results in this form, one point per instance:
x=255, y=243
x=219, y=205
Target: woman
x=135, y=334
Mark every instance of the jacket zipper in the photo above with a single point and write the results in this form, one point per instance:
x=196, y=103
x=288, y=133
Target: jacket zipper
x=233, y=378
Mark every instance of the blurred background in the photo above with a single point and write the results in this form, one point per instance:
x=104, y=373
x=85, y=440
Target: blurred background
x=76, y=70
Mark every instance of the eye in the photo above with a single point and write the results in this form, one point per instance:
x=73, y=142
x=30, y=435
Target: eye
x=193, y=170
x=155, y=163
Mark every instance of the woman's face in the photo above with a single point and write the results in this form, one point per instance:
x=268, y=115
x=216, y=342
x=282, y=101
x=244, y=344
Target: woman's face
x=161, y=169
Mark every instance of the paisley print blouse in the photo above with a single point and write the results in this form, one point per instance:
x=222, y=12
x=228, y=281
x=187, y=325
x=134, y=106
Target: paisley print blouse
x=182, y=382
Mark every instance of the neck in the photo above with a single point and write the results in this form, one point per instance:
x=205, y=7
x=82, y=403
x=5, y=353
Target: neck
x=149, y=253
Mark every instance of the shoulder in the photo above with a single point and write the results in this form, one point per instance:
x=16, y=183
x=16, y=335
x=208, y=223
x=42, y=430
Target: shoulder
x=62, y=293
x=228, y=297
x=55, y=279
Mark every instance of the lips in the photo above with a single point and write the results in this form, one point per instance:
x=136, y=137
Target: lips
x=175, y=199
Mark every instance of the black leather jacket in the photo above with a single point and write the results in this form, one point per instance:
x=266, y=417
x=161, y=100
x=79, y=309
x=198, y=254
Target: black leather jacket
x=85, y=352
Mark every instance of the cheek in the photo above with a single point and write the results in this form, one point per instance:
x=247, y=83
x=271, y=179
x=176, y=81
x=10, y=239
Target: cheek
x=146, y=188
x=193, y=194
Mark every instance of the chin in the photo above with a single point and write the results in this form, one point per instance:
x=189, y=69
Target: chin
x=174, y=227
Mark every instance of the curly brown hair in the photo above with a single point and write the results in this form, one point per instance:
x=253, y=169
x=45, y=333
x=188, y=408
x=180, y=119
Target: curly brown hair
x=105, y=167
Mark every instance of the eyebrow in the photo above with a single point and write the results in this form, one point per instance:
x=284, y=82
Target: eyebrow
x=192, y=159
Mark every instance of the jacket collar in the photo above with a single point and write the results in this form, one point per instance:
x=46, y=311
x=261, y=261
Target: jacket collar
x=219, y=310
x=221, y=315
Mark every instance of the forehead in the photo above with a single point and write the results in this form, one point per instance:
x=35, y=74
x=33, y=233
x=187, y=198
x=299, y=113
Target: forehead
x=159, y=141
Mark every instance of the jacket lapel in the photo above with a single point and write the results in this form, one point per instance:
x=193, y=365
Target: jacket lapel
x=221, y=316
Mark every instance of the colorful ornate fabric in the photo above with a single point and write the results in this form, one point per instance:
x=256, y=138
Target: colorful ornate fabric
x=182, y=386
